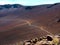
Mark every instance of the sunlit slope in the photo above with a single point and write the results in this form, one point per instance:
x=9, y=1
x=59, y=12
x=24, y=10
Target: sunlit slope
x=22, y=23
x=20, y=32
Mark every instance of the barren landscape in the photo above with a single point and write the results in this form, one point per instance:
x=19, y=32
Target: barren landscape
x=27, y=22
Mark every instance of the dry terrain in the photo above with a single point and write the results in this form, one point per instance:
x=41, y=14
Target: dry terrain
x=18, y=24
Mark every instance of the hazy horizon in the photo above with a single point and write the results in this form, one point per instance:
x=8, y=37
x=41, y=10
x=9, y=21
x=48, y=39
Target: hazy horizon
x=28, y=2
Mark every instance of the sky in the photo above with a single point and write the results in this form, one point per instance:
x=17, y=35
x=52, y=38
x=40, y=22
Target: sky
x=28, y=2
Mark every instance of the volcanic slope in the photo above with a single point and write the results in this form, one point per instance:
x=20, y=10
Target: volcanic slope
x=29, y=22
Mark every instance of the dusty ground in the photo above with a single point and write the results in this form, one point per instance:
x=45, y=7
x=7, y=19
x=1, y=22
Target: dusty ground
x=15, y=25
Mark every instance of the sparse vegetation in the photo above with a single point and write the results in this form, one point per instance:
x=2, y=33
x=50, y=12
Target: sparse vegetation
x=49, y=40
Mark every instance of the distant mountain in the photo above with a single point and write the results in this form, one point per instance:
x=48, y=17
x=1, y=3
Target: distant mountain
x=18, y=22
x=7, y=6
